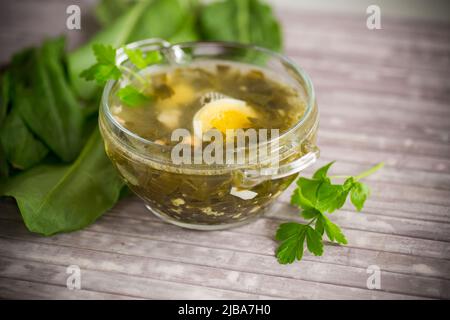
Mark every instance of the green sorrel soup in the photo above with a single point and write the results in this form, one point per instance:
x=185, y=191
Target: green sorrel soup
x=198, y=97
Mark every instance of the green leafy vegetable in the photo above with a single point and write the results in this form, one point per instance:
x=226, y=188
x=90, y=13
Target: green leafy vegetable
x=359, y=194
x=141, y=60
x=130, y=96
x=46, y=102
x=5, y=95
x=314, y=241
x=316, y=197
x=187, y=31
x=61, y=198
x=106, y=69
x=247, y=21
x=107, y=10
x=163, y=19
x=21, y=148
x=334, y=233
x=40, y=108
x=292, y=236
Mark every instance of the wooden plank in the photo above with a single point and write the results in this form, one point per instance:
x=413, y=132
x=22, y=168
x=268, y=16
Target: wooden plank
x=402, y=193
x=379, y=208
x=381, y=127
x=429, y=212
x=334, y=254
x=252, y=240
x=363, y=141
x=373, y=223
x=407, y=162
x=389, y=174
x=347, y=219
x=359, y=77
x=134, y=286
x=356, y=51
x=401, y=121
x=345, y=28
x=399, y=29
x=367, y=238
x=236, y=280
x=386, y=101
x=265, y=244
x=28, y=290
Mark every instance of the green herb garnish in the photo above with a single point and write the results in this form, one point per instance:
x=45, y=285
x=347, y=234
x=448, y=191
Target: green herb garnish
x=106, y=69
x=140, y=60
x=317, y=197
x=132, y=97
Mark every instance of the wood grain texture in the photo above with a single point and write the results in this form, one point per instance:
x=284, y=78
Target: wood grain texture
x=383, y=96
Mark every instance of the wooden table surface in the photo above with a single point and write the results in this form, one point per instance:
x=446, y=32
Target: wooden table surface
x=383, y=96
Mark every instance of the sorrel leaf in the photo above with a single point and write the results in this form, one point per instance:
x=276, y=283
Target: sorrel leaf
x=246, y=21
x=61, y=198
x=47, y=103
x=19, y=145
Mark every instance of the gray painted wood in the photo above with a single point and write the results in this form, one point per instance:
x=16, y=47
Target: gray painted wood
x=383, y=96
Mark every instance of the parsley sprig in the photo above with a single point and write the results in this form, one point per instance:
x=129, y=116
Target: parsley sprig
x=106, y=69
x=318, y=197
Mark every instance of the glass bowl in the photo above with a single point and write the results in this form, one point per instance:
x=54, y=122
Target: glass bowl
x=211, y=197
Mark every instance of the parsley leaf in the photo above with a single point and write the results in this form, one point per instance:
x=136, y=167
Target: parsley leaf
x=292, y=235
x=140, y=60
x=310, y=213
x=334, y=233
x=130, y=96
x=320, y=227
x=105, y=54
x=316, y=197
x=319, y=193
x=359, y=194
x=106, y=69
x=101, y=73
x=321, y=174
x=314, y=241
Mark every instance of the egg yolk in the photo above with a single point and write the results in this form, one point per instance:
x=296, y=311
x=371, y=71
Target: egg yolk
x=223, y=114
x=231, y=119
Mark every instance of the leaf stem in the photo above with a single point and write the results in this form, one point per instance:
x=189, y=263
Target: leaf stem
x=370, y=171
x=140, y=78
x=362, y=175
x=313, y=220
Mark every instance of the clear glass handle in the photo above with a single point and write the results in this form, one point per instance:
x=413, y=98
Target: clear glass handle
x=250, y=178
x=173, y=53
